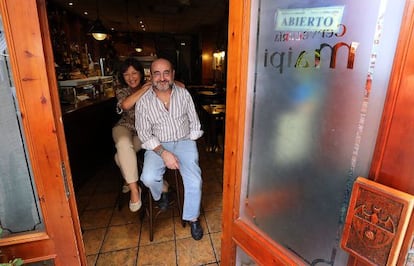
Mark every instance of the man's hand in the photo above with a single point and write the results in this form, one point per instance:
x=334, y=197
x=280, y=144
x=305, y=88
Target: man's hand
x=170, y=160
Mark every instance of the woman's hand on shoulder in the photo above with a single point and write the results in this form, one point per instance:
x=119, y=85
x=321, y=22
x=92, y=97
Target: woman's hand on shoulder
x=146, y=86
x=179, y=84
x=130, y=101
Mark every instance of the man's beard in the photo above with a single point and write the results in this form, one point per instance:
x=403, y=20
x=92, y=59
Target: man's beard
x=163, y=85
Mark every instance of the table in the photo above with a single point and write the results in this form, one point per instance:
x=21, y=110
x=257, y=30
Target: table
x=205, y=96
x=214, y=119
x=207, y=93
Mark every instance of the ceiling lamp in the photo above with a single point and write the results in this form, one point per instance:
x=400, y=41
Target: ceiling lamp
x=137, y=45
x=98, y=30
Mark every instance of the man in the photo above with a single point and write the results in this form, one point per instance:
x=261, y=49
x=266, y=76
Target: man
x=168, y=125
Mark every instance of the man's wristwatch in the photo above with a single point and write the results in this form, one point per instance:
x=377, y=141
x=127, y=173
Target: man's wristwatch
x=160, y=150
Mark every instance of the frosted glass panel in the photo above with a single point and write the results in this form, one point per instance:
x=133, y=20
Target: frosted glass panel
x=19, y=209
x=316, y=95
x=242, y=259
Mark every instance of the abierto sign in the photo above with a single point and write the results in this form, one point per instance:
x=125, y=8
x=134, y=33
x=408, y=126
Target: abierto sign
x=309, y=19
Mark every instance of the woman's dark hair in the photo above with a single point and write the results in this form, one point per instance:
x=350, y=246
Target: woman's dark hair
x=130, y=61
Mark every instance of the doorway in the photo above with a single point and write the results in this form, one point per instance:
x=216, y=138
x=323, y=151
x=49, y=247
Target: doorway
x=285, y=170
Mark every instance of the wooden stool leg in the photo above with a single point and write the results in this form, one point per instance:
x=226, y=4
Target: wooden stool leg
x=143, y=192
x=150, y=216
x=178, y=195
x=121, y=194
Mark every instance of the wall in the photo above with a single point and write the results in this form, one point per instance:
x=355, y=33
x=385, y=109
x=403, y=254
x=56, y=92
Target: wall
x=213, y=39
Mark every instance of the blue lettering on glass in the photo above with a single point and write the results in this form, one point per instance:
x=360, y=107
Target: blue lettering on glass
x=308, y=21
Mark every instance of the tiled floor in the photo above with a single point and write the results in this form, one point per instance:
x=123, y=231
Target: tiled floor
x=118, y=237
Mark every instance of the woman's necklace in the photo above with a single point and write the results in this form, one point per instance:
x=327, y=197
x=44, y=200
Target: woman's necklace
x=165, y=99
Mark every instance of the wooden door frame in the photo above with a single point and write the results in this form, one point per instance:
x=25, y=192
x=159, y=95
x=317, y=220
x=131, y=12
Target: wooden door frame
x=239, y=232
x=55, y=100
x=31, y=57
x=397, y=114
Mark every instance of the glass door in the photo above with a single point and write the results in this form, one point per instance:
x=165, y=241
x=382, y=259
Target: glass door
x=35, y=189
x=16, y=174
x=307, y=84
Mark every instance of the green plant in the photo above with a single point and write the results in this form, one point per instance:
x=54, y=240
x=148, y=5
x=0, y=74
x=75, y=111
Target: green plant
x=15, y=262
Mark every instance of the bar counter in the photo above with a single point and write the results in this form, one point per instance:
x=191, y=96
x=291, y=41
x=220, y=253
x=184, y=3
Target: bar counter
x=88, y=131
x=69, y=108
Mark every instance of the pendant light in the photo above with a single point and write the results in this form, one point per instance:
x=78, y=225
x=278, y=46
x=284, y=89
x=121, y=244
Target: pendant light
x=137, y=44
x=133, y=41
x=98, y=30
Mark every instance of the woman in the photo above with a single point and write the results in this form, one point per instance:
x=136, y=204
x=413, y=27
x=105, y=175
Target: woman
x=131, y=77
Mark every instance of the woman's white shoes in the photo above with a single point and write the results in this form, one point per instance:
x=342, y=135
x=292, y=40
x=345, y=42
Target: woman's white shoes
x=135, y=206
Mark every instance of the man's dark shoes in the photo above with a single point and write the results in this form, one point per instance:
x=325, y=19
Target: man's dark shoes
x=163, y=201
x=196, y=230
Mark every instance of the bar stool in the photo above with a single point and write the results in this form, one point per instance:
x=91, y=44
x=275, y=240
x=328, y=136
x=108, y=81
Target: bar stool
x=174, y=189
x=151, y=208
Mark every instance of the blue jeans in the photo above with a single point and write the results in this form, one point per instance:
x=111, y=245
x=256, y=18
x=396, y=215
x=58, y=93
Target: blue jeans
x=154, y=169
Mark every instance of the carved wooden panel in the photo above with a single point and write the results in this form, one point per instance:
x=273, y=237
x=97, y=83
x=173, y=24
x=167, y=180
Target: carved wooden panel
x=376, y=222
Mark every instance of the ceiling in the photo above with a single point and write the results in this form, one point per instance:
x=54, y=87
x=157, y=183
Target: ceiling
x=157, y=16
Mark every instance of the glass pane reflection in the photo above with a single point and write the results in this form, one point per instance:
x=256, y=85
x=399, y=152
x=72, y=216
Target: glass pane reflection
x=41, y=263
x=19, y=207
x=242, y=259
